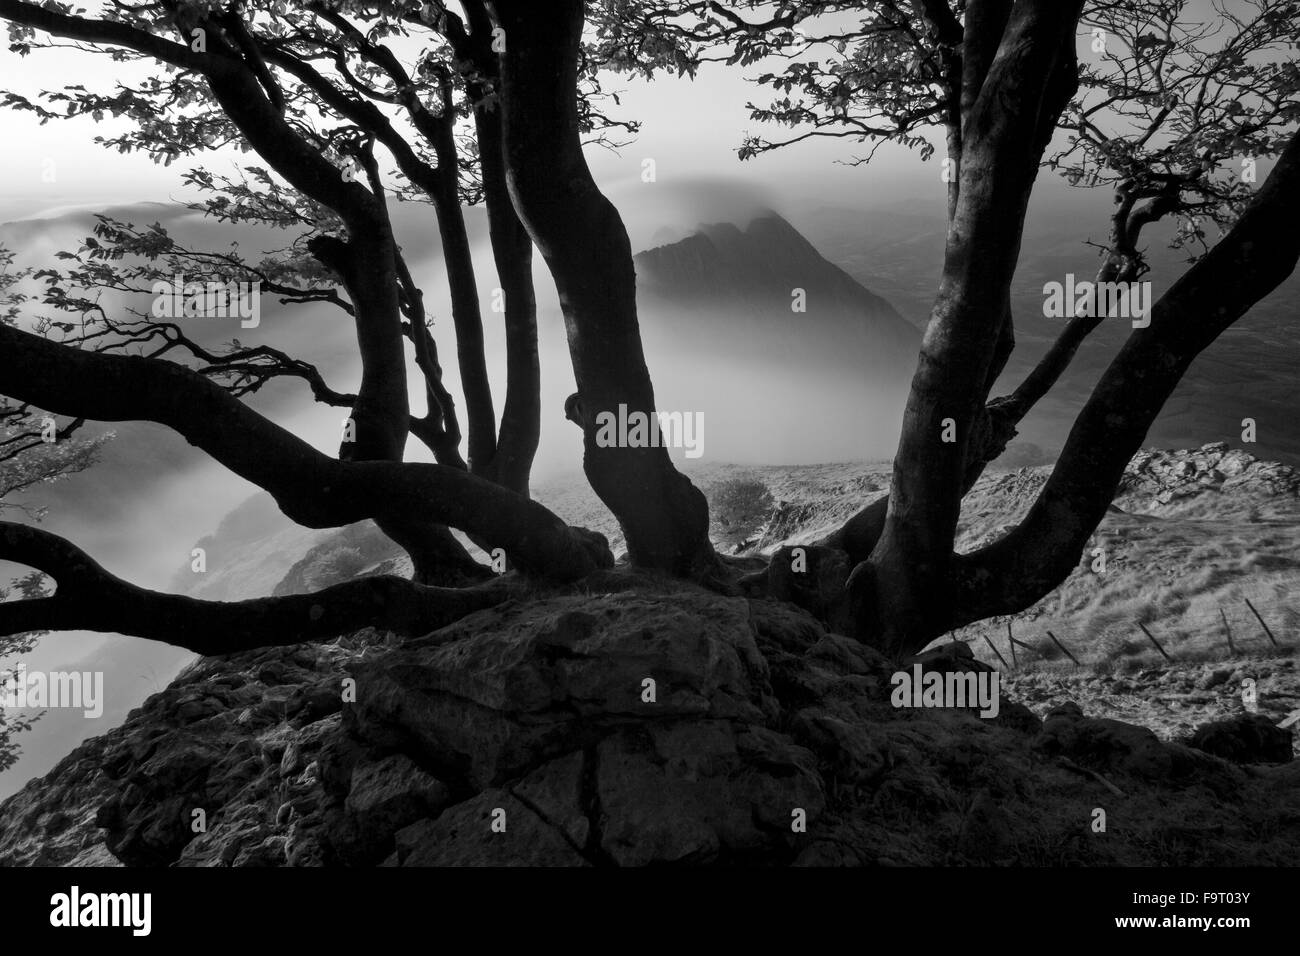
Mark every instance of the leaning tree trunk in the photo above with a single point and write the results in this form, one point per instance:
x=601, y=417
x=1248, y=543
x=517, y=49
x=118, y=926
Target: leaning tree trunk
x=377, y=428
x=377, y=431
x=512, y=254
x=582, y=238
x=900, y=596
x=480, y=414
x=512, y=250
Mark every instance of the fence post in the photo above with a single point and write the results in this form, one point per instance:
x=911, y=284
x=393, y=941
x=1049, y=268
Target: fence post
x=1228, y=631
x=1063, y=648
x=1156, y=643
x=1261, y=622
x=995, y=650
x=1012, y=642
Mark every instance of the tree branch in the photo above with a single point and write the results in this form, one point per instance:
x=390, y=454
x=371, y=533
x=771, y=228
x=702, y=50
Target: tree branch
x=899, y=595
x=88, y=597
x=1256, y=255
x=108, y=32
x=310, y=487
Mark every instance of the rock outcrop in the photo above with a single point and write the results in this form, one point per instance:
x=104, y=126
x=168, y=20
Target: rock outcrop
x=626, y=721
x=1168, y=476
x=1246, y=738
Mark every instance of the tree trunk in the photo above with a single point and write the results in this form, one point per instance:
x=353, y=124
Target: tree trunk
x=466, y=314
x=585, y=245
x=512, y=249
x=898, y=599
x=380, y=417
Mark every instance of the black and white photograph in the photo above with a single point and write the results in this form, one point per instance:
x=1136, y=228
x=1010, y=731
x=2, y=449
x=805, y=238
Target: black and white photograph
x=732, y=437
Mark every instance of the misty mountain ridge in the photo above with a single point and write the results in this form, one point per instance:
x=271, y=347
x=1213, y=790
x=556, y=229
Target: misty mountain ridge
x=765, y=291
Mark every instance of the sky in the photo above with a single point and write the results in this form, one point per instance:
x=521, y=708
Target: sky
x=690, y=129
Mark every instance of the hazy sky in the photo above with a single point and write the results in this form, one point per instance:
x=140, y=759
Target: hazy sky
x=690, y=128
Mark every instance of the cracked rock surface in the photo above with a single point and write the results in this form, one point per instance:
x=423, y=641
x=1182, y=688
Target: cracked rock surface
x=633, y=721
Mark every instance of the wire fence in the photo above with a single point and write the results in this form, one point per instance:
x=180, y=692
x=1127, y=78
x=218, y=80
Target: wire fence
x=1245, y=627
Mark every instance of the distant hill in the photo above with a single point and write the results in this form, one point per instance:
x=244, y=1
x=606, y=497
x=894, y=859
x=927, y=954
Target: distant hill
x=764, y=291
x=1249, y=372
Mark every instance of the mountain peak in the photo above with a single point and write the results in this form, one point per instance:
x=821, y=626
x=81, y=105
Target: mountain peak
x=763, y=287
x=764, y=261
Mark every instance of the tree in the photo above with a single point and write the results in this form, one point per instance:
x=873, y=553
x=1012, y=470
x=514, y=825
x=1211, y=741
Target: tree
x=997, y=78
x=585, y=245
x=227, y=69
x=1168, y=101
x=353, y=243
x=221, y=69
